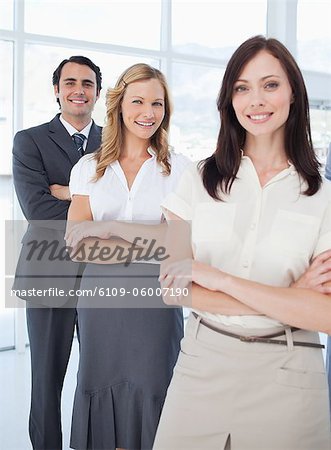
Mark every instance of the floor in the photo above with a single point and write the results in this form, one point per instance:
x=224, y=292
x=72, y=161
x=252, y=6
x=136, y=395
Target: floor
x=15, y=399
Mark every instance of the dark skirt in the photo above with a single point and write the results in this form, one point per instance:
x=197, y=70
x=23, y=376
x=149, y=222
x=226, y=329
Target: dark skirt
x=128, y=348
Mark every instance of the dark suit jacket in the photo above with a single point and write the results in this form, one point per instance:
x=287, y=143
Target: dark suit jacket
x=42, y=156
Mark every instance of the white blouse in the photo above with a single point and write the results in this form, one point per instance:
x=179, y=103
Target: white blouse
x=110, y=197
x=268, y=234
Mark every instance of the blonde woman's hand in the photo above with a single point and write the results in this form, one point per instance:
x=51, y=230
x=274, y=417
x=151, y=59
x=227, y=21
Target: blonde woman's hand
x=79, y=231
x=60, y=192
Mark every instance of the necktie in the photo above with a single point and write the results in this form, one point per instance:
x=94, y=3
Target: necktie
x=79, y=139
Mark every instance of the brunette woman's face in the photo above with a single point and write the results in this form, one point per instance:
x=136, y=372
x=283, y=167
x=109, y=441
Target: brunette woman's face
x=143, y=108
x=262, y=96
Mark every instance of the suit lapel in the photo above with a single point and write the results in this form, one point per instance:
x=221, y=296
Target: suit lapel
x=62, y=138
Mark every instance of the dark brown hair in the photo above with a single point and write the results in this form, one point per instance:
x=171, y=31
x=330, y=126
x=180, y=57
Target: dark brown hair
x=220, y=169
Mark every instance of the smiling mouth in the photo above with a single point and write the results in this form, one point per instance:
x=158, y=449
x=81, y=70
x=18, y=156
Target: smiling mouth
x=259, y=117
x=78, y=101
x=145, y=124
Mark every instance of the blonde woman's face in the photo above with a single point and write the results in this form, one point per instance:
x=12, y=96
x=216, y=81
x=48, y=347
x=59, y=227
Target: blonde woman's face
x=143, y=108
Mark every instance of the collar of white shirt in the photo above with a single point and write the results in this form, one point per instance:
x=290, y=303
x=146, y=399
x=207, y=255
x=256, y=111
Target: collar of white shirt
x=290, y=164
x=151, y=152
x=71, y=130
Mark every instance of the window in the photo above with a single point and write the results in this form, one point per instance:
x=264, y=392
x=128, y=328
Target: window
x=321, y=130
x=132, y=23
x=6, y=194
x=6, y=106
x=7, y=15
x=314, y=57
x=215, y=28
x=195, y=121
x=314, y=35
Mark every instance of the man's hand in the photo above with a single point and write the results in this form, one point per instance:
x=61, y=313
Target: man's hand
x=318, y=275
x=60, y=192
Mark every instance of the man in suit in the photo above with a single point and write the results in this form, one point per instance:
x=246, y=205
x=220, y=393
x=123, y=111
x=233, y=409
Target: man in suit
x=43, y=157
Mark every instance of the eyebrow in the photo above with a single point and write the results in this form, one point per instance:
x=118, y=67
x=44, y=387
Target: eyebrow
x=138, y=96
x=263, y=78
x=86, y=80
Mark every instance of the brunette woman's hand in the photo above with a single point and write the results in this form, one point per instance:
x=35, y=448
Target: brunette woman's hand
x=318, y=275
x=174, y=278
x=179, y=275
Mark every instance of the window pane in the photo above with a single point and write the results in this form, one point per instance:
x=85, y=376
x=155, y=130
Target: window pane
x=6, y=132
x=6, y=106
x=7, y=14
x=225, y=25
x=39, y=100
x=195, y=122
x=131, y=23
x=6, y=314
x=321, y=131
x=314, y=35
x=7, y=339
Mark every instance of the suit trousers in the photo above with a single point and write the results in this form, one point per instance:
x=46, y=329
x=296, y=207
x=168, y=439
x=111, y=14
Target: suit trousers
x=50, y=333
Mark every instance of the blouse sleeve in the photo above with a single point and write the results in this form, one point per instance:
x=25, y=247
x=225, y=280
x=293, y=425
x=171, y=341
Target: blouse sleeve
x=324, y=239
x=179, y=163
x=179, y=201
x=81, y=176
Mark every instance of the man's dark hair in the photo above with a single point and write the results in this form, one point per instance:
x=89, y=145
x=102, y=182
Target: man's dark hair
x=84, y=61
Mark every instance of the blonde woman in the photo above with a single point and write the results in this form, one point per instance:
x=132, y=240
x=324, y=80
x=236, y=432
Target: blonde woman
x=128, y=340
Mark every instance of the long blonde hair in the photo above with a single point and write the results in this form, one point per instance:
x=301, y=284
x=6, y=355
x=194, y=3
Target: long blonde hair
x=112, y=132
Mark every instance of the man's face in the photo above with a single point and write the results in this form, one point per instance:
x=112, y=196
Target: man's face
x=77, y=92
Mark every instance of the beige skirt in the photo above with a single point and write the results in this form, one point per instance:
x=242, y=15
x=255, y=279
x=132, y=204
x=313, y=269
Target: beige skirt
x=228, y=394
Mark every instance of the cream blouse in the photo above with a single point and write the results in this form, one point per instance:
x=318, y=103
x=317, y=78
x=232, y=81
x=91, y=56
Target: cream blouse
x=268, y=234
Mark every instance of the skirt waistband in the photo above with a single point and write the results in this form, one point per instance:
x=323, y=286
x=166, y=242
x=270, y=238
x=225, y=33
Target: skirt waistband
x=267, y=339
